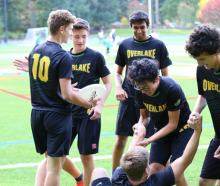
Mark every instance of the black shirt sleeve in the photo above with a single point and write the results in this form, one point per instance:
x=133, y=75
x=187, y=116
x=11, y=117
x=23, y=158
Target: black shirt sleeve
x=199, y=81
x=120, y=58
x=162, y=178
x=164, y=57
x=175, y=98
x=65, y=66
x=101, y=66
x=139, y=100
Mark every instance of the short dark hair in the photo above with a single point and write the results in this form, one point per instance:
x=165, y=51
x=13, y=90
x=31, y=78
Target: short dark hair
x=143, y=69
x=81, y=24
x=204, y=39
x=139, y=16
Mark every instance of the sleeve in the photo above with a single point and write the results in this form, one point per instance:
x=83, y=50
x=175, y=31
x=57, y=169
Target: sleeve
x=101, y=66
x=118, y=177
x=65, y=66
x=139, y=100
x=164, y=57
x=175, y=98
x=163, y=178
x=120, y=58
x=199, y=83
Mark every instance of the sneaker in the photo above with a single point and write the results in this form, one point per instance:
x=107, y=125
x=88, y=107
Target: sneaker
x=79, y=183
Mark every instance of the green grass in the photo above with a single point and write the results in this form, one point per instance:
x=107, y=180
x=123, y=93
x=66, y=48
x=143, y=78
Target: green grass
x=15, y=123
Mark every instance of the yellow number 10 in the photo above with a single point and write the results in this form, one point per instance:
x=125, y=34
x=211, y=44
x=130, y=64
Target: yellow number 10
x=44, y=66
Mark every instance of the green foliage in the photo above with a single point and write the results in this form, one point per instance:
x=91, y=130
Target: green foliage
x=2, y=25
x=184, y=17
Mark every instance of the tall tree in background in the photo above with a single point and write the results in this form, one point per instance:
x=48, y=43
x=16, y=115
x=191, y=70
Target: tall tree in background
x=211, y=12
x=202, y=3
x=2, y=25
x=135, y=5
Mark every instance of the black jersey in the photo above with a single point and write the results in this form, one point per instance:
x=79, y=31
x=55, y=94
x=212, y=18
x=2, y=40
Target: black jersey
x=161, y=178
x=168, y=97
x=131, y=49
x=48, y=63
x=87, y=67
x=208, y=85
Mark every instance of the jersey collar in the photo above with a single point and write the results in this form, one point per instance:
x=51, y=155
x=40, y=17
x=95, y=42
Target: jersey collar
x=142, y=42
x=78, y=54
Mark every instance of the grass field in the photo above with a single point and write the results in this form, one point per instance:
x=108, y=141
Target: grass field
x=16, y=141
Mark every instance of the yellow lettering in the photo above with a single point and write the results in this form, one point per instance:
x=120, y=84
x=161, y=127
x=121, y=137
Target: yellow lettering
x=146, y=53
x=153, y=54
x=132, y=53
x=84, y=67
x=150, y=108
x=213, y=86
x=88, y=67
x=204, y=85
x=164, y=107
x=209, y=85
x=160, y=109
x=76, y=68
x=150, y=53
x=73, y=67
x=128, y=53
x=135, y=53
x=139, y=53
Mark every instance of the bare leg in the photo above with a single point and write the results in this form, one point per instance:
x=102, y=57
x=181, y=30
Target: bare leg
x=155, y=167
x=88, y=167
x=98, y=173
x=70, y=167
x=181, y=181
x=54, y=166
x=41, y=173
x=206, y=182
x=218, y=182
x=118, y=150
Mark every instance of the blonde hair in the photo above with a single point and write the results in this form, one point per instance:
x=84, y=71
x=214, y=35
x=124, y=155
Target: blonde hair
x=134, y=162
x=59, y=18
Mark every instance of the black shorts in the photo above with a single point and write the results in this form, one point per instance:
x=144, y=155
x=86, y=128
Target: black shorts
x=102, y=182
x=51, y=132
x=172, y=144
x=128, y=115
x=88, y=135
x=211, y=165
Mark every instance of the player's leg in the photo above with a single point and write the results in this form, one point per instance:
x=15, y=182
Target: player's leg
x=88, y=167
x=41, y=172
x=89, y=145
x=211, y=166
x=59, y=131
x=100, y=177
x=179, y=142
x=128, y=115
x=54, y=166
x=218, y=183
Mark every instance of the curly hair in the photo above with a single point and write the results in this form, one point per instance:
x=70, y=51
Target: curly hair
x=143, y=69
x=204, y=39
x=139, y=16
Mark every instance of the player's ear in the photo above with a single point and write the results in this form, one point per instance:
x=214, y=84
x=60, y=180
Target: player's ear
x=157, y=79
x=61, y=29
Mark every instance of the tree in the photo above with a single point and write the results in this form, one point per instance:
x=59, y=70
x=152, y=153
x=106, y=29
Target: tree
x=135, y=5
x=202, y=3
x=211, y=12
x=1, y=17
x=186, y=14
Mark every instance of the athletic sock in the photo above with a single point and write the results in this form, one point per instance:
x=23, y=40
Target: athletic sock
x=113, y=170
x=80, y=178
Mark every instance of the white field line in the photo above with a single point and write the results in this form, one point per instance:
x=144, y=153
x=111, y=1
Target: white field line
x=75, y=160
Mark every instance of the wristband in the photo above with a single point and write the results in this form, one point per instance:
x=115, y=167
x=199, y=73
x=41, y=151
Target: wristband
x=91, y=104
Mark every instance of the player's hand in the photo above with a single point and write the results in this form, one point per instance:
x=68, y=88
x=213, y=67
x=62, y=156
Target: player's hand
x=195, y=121
x=139, y=129
x=97, y=112
x=22, y=65
x=144, y=143
x=120, y=94
x=73, y=87
x=217, y=153
x=95, y=101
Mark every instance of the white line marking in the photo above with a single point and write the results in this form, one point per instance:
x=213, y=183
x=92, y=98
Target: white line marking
x=75, y=160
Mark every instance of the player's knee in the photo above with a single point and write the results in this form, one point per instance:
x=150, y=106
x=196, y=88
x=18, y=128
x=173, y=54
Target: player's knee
x=181, y=179
x=121, y=141
x=99, y=172
x=86, y=159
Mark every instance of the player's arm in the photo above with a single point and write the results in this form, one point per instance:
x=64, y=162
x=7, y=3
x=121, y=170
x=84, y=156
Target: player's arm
x=121, y=95
x=182, y=163
x=164, y=72
x=69, y=95
x=144, y=117
x=139, y=134
x=22, y=65
x=170, y=127
x=199, y=106
x=98, y=109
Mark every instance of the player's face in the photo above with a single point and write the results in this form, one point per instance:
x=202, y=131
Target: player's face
x=148, y=88
x=139, y=30
x=79, y=39
x=67, y=32
x=209, y=61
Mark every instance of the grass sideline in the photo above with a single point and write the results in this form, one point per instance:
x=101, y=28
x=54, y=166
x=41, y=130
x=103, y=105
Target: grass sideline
x=15, y=123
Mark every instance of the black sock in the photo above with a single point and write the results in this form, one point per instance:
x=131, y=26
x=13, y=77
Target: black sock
x=79, y=178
